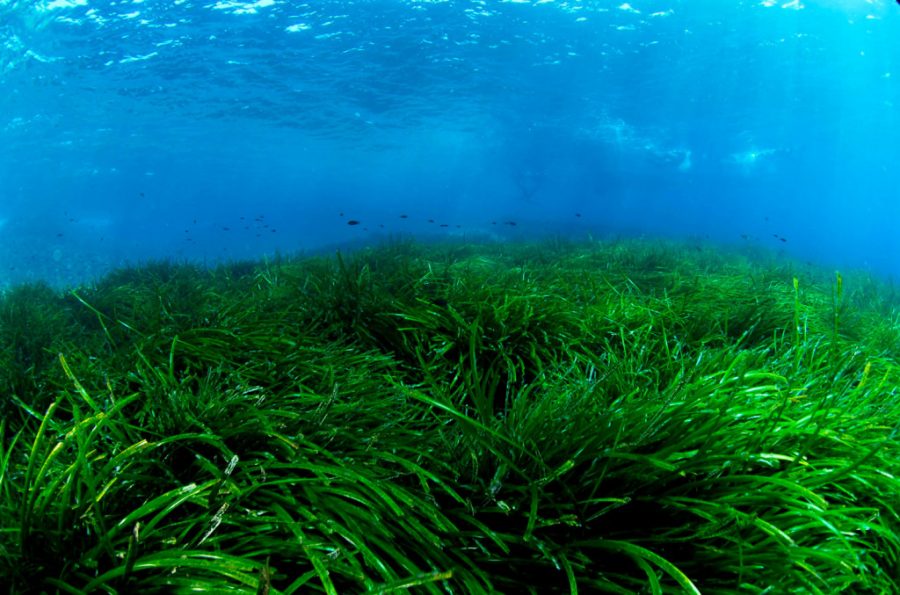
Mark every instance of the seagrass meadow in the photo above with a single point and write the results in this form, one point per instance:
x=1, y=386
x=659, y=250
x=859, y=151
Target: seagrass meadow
x=625, y=416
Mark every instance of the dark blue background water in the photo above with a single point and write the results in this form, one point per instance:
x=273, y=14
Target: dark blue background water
x=232, y=129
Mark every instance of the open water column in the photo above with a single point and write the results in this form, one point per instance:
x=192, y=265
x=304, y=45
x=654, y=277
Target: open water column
x=212, y=131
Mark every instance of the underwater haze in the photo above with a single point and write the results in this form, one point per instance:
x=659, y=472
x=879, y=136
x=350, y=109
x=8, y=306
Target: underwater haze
x=221, y=130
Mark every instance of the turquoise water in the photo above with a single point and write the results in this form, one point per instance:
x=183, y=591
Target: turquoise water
x=233, y=129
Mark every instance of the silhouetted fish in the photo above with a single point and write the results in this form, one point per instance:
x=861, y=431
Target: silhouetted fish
x=403, y=216
x=352, y=221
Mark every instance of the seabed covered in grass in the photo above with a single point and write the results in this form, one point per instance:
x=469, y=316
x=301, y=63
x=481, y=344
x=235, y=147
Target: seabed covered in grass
x=622, y=417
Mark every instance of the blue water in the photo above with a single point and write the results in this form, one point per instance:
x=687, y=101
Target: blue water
x=211, y=130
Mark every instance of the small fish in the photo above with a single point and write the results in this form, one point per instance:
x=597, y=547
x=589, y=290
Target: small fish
x=510, y=223
x=341, y=213
x=404, y=216
x=226, y=229
x=431, y=220
x=351, y=221
x=578, y=215
x=783, y=239
x=444, y=225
